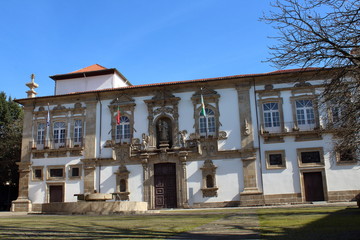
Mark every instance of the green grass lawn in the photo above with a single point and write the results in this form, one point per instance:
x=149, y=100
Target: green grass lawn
x=328, y=223
x=275, y=223
x=101, y=227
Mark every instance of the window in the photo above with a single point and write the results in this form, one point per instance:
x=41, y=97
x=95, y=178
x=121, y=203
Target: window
x=37, y=174
x=207, y=124
x=77, y=132
x=310, y=157
x=122, y=133
x=122, y=185
x=209, y=181
x=55, y=172
x=40, y=139
x=345, y=156
x=275, y=159
x=75, y=171
x=305, y=116
x=59, y=134
x=271, y=116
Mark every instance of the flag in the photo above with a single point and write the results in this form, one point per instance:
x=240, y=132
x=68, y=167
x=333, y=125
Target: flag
x=48, y=116
x=118, y=116
x=203, y=112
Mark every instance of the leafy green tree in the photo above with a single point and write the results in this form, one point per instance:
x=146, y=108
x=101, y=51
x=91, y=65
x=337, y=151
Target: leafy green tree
x=11, y=116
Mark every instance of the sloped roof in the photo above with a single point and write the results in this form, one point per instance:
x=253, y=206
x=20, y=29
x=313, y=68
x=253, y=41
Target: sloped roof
x=94, y=67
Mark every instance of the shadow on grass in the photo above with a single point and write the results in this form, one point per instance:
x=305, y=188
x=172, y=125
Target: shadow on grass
x=341, y=224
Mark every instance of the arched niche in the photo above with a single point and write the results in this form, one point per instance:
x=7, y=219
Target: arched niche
x=164, y=133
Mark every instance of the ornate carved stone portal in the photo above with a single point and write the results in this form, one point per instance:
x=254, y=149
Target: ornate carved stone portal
x=163, y=118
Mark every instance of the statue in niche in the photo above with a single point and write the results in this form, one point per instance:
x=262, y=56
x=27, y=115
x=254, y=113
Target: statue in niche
x=183, y=137
x=163, y=130
x=145, y=141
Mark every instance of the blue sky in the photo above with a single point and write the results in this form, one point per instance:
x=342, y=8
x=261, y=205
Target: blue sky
x=147, y=41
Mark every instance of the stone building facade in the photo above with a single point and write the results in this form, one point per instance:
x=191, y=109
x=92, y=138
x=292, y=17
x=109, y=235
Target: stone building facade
x=263, y=139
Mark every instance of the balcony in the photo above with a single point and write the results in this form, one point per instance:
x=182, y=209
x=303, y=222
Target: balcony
x=57, y=147
x=302, y=131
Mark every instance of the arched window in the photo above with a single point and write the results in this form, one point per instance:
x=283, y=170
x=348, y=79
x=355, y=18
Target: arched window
x=122, y=133
x=207, y=123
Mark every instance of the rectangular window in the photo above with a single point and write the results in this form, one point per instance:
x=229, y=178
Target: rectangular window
x=345, y=156
x=305, y=116
x=59, y=134
x=310, y=157
x=56, y=172
x=271, y=116
x=75, y=172
x=37, y=173
x=78, y=132
x=275, y=159
x=40, y=139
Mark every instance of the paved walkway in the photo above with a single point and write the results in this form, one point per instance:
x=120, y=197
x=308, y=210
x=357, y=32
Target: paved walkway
x=242, y=225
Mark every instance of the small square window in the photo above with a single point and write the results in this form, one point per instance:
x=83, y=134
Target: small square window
x=75, y=171
x=37, y=174
x=275, y=159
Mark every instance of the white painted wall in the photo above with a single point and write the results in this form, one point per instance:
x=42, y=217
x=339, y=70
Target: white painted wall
x=38, y=189
x=228, y=179
x=88, y=84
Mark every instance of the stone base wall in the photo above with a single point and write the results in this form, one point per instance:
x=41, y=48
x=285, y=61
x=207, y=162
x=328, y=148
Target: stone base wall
x=278, y=199
x=21, y=205
x=343, y=196
x=256, y=199
x=216, y=204
x=94, y=207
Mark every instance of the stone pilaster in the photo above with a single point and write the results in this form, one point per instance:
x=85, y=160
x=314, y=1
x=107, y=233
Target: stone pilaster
x=89, y=175
x=90, y=147
x=90, y=130
x=246, y=132
x=146, y=180
x=183, y=182
x=23, y=204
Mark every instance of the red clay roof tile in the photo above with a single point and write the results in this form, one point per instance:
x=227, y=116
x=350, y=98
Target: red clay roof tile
x=94, y=67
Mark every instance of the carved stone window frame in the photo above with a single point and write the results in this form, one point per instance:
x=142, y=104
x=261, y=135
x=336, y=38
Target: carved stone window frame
x=126, y=104
x=211, y=101
x=33, y=177
x=321, y=153
x=277, y=100
x=71, y=167
x=345, y=162
x=163, y=104
x=209, y=170
x=283, y=158
x=48, y=169
x=314, y=100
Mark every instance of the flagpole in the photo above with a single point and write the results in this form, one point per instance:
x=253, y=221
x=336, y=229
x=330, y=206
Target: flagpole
x=47, y=140
x=204, y=113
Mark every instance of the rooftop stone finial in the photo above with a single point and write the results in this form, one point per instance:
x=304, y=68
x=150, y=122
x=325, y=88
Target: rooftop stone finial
x=31, y=85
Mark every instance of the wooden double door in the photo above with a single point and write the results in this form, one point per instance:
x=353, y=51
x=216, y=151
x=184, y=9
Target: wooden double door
x=314, y=188
x=165, y=185
x=56, y=193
